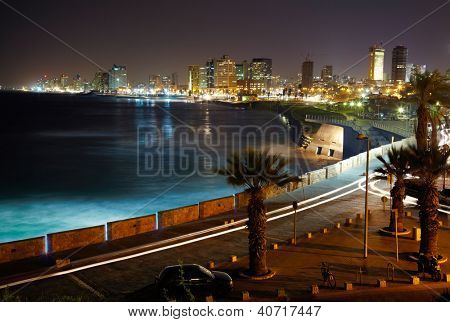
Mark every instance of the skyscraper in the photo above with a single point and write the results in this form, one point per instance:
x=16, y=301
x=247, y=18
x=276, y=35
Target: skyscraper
x=225, y=74
x=242, y=71
x=118, y=77
x=399, y=61
x=203, y=78
x=174, y=80
x=261, y=70
x=307, y=73
x=326, y=73
x=376, y=63
x=194, y=78
x=210, y=73
x=100, y=82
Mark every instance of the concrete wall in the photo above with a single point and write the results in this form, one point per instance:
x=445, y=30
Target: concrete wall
x=21, y=249
x=333, y=170
x=317, y=176
x=130, y=227
x=242, y=199
x=328, y=137
x=216, y=206
x=177, y=216
x=77, y=238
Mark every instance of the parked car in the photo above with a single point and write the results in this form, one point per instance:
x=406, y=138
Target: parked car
x=174, y=280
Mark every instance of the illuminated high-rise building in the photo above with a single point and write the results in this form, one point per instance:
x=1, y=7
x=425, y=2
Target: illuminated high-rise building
x=242, y=71
x=307, y=73
x=118, y=77
x=376, y=63
x=203, y=78
x=399, y=61
x=326, y=74
x=64, y=81
x=225, y=74
x=210, y=73
x=100, y=82
x=193, y=78
x=261, y=70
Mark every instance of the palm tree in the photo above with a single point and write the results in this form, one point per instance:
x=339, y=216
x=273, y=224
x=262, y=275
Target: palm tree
x=428, y=165
x=436, y=114
x=398, y=166
x=257, y=171
x=426, y=85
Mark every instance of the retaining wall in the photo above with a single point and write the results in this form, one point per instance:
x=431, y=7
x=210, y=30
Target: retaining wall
x=333, y=170
x=76, y=238
x=177, y=216
x=317, y=176
x=16, y=250
x=242, y=199
x=130, y=227
x=216, y=206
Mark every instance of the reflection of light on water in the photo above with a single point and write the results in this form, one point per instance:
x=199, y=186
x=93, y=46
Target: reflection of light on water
x=167, y=126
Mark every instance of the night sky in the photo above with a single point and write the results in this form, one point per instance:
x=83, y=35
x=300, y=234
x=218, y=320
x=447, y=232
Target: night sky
x=161, y=37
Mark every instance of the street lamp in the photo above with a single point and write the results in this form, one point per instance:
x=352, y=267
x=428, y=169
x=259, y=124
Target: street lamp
x=295, y=206
x=361, y=136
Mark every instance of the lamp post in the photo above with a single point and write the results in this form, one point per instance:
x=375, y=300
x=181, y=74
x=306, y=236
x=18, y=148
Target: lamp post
x=361, y=136
x=295, y=206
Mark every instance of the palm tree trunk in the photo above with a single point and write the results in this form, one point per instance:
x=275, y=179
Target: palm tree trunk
x=257, y=233
x=398, y=194
x=429, y=203
x=434, y=140
x=422, y=129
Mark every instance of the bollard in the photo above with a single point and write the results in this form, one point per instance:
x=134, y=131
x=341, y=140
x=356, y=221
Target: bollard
x=245, y=296
x=211, y=264
x=446, y=277
x=281, y=293
x=338, y=225
x=348, y=286
x=209, y=298
x=348, y=221
x=60, y=263
x=381, y=283
x=416, y=233
x=414, y=280
x=359, y=216
x=309, y=235
x=314, y=289
x=324, y=230
x=233, y=258
x=275, y=246
x=408, y=214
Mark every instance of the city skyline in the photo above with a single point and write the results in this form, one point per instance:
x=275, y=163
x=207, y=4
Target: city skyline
x=286, y=40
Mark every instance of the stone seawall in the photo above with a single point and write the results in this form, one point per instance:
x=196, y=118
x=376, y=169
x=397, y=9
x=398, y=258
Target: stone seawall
x=177, y=216
x=130, y=227
x=21, y=249
x=71, y=239
x=216, y=206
